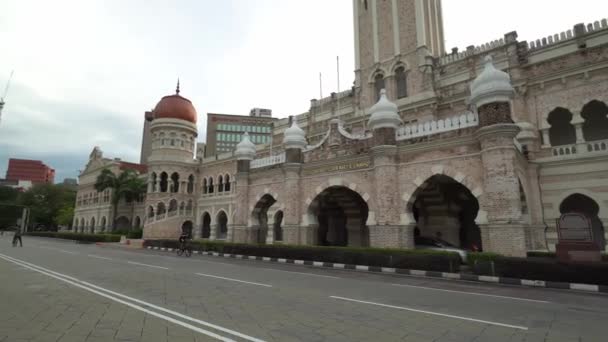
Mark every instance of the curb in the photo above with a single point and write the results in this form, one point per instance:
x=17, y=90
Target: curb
x=429, y=274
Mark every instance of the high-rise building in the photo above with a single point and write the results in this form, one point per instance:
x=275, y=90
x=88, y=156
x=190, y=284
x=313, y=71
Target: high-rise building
x=146, y=138
x=29, y=170
x=225, y=131
x=267, y=113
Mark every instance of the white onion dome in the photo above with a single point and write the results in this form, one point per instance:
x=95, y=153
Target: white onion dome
x=294, y=137
x=384, y=114
x=527, y=131
x=492, y=85
x=245, y=150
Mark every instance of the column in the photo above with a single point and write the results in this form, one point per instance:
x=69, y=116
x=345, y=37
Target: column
x=239, y=226
x=502, y=230
x=578, y=121
x=546, y=140
x=293, y=233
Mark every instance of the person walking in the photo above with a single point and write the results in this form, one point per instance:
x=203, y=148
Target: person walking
x=16, y=237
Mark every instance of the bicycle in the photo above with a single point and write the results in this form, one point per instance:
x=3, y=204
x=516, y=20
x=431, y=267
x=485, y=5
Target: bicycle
x=184, y=248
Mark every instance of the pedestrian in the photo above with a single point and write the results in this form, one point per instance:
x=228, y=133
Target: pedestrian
x=16, y=237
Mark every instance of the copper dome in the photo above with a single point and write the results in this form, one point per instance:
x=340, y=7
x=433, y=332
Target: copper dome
x=175, y=107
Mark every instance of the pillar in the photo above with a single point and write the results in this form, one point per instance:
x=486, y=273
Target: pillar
x=502, y=230
x=293, y=232
x=239, y=225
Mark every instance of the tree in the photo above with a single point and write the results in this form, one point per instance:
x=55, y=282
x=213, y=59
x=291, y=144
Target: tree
x=127, y=185
x=45, y=201
x=9, y=213
x=65, y=216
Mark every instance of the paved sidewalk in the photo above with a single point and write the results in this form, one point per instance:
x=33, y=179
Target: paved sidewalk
x=35, y=307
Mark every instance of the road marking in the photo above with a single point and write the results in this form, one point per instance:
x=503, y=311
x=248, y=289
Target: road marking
x=472, y=293
x=140, y=264
x=64, y=251
x=304, y=273
x=98, y=257
x=231, y=279
x=90, y=287
x=432, y=313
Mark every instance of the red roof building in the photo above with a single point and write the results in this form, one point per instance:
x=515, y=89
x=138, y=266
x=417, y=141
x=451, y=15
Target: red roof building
x=29, y=170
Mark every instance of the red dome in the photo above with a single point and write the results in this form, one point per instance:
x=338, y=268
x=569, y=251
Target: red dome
x=175, y=107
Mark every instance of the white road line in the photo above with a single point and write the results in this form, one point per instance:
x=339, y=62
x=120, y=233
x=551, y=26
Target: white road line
x=98, y=257
x=519, y=327
x=473, y=293
x=303, y=273
x=140, y=264
x=64, y=251
x=137, y=307
x=231, y=279
x=90, y=287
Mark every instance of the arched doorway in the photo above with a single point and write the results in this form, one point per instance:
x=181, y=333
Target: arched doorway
x=187, y=228
x=579, y=203
x=277, y=227
x=137, y=223
x=123, y=223
x=222, y=225
x=341, y=215
x=92, y=225
x=103, y=224
x=82, y=225
x=206, y=226
x=260, y=217
x=446, y=210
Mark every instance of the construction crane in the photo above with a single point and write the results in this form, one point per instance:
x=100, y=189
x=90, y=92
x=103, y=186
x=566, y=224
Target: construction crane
x=8, y=83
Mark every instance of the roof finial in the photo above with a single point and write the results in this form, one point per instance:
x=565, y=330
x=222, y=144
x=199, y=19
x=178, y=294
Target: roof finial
x=177, y=89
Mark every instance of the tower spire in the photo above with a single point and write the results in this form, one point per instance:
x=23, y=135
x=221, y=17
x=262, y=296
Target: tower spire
x=177, y=88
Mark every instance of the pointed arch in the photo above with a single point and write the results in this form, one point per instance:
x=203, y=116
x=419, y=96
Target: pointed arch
x=561, y=132
x=222, y=225
x=595, y=126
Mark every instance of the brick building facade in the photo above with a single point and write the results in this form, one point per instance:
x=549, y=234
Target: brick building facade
x=484, y=148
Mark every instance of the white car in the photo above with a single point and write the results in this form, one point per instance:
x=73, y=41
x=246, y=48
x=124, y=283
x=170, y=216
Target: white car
x=423, y=242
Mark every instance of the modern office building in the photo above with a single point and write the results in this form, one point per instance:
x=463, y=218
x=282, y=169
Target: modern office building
x=224, y=131
x=29, y=170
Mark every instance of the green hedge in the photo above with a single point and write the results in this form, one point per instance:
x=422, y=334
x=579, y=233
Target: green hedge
x=379, y=257
x=78, y=236
x=543, y=254
x=542, y=269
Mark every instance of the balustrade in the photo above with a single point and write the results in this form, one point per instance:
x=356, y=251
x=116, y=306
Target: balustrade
x=469, y=119
x=268, y=161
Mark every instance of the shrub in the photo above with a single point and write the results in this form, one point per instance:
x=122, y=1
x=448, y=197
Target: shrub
x=544, y=269
x=78, y=236
x=379, y=257
x=135, y=234
x=546, y=254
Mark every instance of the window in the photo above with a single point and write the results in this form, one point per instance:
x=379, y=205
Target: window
x=401, y=79
x=378, y=85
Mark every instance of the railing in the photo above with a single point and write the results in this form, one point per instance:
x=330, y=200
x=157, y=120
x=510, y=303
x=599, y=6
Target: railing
x=469, y=119
x=564, y=150
x=172, y=213
x=268, y=161
x=594, y=146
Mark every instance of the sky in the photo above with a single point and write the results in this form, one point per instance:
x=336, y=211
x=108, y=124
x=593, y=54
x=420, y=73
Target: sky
x=86, y=71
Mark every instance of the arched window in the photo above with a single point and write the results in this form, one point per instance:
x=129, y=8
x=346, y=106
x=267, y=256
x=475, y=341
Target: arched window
x=175, y=182
x=378, y=85
x=220, y=184
x=205, y=185
x=596, y=121
x=173, y=138
x=401, y=80
x=162, y=139
x=160, y=208
x=153, y=180
x=227, y=183
x=182, y=208
x=163, y=182
x=189, y=208
x=172, y=206
x=561, y=132
x=190, y=184
x=210, y=185
x=150, y=211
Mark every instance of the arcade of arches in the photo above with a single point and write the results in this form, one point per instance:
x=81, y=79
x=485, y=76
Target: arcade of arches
x=579, y=203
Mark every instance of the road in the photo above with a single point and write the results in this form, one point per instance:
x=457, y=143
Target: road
x=54, y=290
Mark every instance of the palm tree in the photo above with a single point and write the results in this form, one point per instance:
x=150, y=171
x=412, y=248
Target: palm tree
x=127, y=185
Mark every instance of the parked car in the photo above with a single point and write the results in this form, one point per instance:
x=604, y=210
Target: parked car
x=423, y=242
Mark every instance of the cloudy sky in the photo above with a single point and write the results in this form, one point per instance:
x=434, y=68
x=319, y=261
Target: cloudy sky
x=85, y=71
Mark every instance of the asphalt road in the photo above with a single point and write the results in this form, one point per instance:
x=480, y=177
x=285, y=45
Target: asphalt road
x=54, y=290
